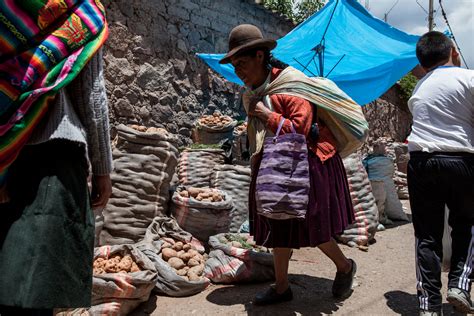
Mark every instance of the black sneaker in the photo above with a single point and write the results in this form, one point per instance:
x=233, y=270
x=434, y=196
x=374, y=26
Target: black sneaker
x=461, y=300
x=342, y=285
x=270, y=296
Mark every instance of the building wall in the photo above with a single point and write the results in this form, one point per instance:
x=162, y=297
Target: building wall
x=153, y=76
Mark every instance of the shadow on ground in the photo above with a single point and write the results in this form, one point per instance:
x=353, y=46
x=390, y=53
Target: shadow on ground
x=406, y=304
x=312, y=296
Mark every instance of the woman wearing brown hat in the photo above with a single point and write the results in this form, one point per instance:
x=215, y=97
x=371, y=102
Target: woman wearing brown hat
x=330, y=206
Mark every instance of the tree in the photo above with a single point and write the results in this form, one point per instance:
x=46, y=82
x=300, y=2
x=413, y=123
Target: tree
x=296, y=10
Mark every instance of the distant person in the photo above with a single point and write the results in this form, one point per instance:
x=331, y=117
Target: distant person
x=441, y=172
x=47, y=225
x=330, y=207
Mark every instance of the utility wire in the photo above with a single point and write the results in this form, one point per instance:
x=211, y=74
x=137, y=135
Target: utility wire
x=452, y=33
x=422, y=7
x=393, y=6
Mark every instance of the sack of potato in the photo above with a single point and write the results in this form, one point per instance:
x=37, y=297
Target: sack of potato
x=123, y=278
x=213, y=129
x=202, y=211
x=363, y=229
x=195, y=166
x=240, y=151
x=144, y=163
x=178, y=258
x=235, y=181
x=235, y=258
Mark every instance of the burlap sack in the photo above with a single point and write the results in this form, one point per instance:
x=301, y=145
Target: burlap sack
x=235, y=181
x=144, y=165
x=227, y=264
x=365, y=208
x=169, y=283
x=204, y=134
x=240, y=149
x=195, y=166
x=202, y=219
x=120, y=293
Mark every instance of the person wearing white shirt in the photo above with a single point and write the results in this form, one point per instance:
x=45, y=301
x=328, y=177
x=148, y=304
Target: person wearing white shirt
x=441, y=172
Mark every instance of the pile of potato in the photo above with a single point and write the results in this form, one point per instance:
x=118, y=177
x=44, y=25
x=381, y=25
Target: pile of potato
x=241, y=128
x=202, y=194
x=184, y=259
x=115, y=264
x=149, y=130
x=215, y=120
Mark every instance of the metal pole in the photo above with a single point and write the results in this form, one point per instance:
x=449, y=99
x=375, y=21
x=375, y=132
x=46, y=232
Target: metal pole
x=430, y=16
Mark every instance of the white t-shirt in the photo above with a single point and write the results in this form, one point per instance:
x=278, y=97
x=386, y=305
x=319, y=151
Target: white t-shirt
x=442, y=106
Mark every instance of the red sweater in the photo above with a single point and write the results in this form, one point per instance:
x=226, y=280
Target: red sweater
x=300, y=112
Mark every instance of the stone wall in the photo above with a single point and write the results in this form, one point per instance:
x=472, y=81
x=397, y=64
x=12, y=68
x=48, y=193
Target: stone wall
x=388, y=117
x=153, y=77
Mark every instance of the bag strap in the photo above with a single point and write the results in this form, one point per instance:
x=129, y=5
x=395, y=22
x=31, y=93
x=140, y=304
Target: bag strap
x=280, y=126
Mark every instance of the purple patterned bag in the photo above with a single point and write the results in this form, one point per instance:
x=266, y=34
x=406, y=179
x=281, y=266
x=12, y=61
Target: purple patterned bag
x=282, y=190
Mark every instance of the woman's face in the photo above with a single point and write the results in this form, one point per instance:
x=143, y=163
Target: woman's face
x=250, y=69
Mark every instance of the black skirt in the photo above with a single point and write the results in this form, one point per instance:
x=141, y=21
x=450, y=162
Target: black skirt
x=47, y=229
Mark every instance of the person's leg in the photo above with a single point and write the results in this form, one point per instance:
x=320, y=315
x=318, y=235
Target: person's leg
x=346, y=269
x=427, y=206
x=281, y=292
x=332, y=250
x=281, y=259
x=461, y=205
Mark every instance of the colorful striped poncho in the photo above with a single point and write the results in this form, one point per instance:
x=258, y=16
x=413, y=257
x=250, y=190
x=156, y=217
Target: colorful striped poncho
x=44, y=44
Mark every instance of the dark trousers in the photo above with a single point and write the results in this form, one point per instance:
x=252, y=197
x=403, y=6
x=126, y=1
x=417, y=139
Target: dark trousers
x=435, y=181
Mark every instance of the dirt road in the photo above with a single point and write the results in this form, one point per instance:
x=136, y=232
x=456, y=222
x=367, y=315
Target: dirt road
x=385, y=285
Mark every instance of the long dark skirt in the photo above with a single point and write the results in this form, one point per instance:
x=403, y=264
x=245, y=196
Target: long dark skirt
x=47, y=230
x=329, y=211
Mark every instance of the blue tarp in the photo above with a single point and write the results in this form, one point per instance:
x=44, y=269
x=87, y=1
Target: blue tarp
x=377, y=55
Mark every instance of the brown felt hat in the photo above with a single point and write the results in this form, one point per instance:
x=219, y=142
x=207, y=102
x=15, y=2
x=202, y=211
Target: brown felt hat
x=246, y=37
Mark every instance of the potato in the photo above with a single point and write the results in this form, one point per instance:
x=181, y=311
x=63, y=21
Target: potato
x=185, y=256
x=126, y=263
x=178, y=246
x=193, y=277
x=193, y=262
x=98, y=271
x=194, y=252
x=166, y=245
x=194, y=191
x=197, y=269
x=184, y=194
x=134, y=268
x=99, y=263
x=168, y=253
x=199, y=258
x=187, y=247
x=176, y=263
x=182, y=272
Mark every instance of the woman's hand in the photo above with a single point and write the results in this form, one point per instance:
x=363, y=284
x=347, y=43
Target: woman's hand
x=101, y=191
x=259, y=110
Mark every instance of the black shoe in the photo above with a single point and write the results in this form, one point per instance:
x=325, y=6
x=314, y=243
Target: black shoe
x=342, y=284
x=270, y=296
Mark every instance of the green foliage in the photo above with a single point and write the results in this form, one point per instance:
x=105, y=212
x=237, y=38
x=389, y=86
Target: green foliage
x=306, y=8
x=407, y=85
x=298, y=11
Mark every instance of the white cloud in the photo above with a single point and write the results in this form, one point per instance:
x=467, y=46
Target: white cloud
x=408, y=16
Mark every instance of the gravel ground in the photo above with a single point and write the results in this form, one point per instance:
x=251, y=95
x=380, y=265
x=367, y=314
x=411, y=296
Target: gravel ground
x=385, y=285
